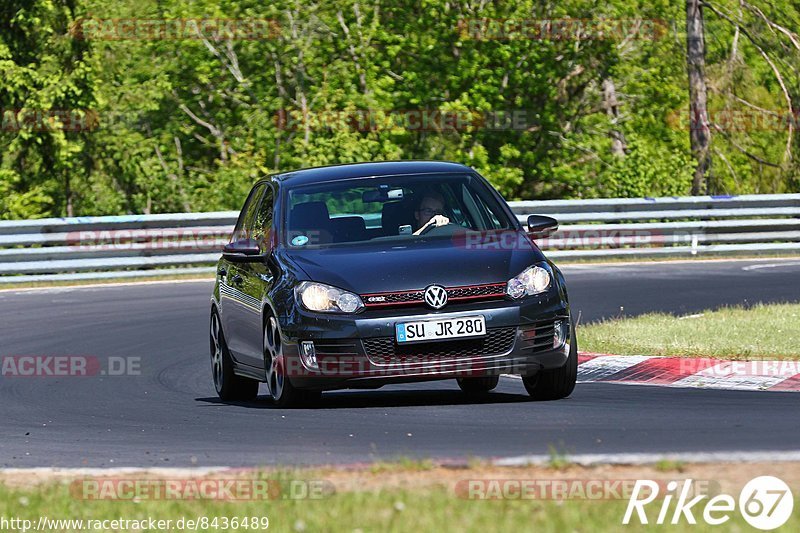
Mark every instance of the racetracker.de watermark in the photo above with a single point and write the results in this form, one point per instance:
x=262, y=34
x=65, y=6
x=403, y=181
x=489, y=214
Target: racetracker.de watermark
x=217, y=489
x=713, y=368
x=351, y=366
x=564, y=29
x=494, y=240
x=201, y=239
x=733, y=120
x=179, y=29
x=422, y=120
x=38, y=120
x=563, y=489
x=68, y=366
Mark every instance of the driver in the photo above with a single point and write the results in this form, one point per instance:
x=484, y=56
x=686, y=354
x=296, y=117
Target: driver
x=430, y=212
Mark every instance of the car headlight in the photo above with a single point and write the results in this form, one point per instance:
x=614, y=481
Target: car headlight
x=532, y=280
x=324, y=298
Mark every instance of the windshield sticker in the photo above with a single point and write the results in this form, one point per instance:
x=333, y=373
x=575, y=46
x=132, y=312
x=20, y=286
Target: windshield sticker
x=300, y=240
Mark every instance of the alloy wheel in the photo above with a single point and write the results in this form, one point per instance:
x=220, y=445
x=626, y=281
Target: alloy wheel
x=217, y=369
x=273, y=354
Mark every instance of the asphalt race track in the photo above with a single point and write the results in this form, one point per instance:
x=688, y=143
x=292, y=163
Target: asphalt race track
x=168, y=415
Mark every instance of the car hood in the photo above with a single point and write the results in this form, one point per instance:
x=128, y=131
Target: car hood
x=392, y=266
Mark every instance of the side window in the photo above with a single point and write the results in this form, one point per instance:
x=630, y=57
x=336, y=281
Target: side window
x=248, y=214
x=262, y=226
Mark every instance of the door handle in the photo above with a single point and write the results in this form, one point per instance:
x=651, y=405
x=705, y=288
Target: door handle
x=237, y=279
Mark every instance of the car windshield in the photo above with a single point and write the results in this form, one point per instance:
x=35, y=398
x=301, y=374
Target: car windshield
x=407, y=208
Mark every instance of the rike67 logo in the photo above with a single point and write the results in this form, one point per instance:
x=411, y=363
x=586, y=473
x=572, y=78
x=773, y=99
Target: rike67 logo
x=765, y=502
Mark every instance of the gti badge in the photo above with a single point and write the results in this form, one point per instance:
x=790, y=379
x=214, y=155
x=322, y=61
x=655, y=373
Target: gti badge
x=436, y=296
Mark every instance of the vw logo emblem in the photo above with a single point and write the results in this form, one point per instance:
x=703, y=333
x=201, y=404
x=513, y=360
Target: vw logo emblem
x=436, y=296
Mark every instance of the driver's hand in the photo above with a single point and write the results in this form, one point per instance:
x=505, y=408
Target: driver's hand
x=438, y=220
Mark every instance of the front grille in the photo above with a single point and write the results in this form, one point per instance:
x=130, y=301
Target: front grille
x=388, y=298
x=384, y=350
x=416, y=297
x=474, y=291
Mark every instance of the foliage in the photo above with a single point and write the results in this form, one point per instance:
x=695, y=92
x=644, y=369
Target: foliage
x=188, y=122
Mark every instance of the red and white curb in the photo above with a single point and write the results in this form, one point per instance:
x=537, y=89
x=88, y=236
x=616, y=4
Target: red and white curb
x=700, y=373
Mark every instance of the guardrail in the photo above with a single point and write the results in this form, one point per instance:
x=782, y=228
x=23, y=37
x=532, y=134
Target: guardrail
x=608, y=228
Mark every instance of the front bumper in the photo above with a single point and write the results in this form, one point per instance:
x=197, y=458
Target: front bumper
x=359, y=351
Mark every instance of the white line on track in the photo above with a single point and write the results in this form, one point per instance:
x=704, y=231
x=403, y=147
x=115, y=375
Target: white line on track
x=47, y=471
x=563, y=265
x=776, y=262
x=650, y=458
x=66, y=288
x=588, y=459
x=770, y=265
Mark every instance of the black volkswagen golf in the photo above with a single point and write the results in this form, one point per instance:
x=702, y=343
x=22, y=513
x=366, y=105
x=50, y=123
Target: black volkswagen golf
x=361, y=275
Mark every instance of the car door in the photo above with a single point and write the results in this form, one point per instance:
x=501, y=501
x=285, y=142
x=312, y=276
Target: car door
x=257, y=280
x=234, y=302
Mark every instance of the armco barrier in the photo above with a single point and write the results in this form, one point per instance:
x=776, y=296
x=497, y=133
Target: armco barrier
x=606, y=228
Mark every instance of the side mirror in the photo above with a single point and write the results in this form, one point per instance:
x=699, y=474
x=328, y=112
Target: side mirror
x=242, y=250
x=541, y=224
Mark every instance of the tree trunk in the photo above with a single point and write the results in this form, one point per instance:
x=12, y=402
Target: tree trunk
x=699, y=132
x=618, y=145
x=68, y=195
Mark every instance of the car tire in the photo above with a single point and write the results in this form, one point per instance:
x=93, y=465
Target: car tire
x=556, y=383
x=477, y=386
x=284, y=393
x=228, y=385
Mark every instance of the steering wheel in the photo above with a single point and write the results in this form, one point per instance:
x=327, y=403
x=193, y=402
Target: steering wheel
x=447, y=227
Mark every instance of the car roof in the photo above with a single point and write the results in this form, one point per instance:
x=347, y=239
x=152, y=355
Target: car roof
x=364, y=170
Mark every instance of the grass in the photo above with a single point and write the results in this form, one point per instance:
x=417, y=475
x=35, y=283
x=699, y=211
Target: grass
x=401, y=464
x=429, y=509
x=669, y=465
x=762, y=331
x=558, y=458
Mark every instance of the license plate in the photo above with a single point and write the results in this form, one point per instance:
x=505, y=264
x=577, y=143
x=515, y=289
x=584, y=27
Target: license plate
x=434, y=330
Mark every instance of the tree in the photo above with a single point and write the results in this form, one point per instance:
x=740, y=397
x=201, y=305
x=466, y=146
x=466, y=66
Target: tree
x=699, y=132
x=48, y=104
